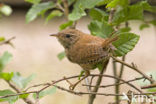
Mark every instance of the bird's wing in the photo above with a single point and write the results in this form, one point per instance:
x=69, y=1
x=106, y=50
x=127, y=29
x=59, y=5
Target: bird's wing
x=89, y=53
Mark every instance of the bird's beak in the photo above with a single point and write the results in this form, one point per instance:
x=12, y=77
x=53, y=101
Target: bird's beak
x=55, y=35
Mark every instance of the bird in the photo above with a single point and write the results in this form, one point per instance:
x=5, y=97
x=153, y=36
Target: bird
x=84, y=49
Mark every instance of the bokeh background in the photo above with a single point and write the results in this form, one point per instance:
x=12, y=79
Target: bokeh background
x=36, y=52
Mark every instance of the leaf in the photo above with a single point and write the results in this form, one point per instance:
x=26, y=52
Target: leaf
x=2, y=39
x=153, y=22
x=125, y=29
x=114, y=3
x=36, y=9
x=33, y=1
x=142, y=26
x=6, y=76
x=81, y=73
x=104, y=2
x=100, y=66
x=147, y=6
x=4, y=59
x=61, y=55
x=65, y=25
x=53, y=14
x=23, y=96
x=45, y=92
x=79, y=8
x=20, y=81
x=101, y=29
x=125, y=43
x=98, y=14
x=70, y=2
x=11, y=99
x=6, y=10
x=77, y=14
x=133, y=12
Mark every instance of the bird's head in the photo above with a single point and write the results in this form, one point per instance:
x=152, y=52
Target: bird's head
x=68, y=37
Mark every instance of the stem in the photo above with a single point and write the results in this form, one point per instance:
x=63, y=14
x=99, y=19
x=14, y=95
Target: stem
x=93, y=96
x=134, y=68
x=26, y=100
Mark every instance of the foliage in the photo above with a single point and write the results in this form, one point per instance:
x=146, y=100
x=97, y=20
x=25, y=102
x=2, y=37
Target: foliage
x=5, y=9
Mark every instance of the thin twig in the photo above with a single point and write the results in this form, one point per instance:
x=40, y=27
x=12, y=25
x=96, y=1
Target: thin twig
x=92, y=96
x=60, y=80
x=149, y=86
x=80, y=93
x=26, y=100
x=7, y=41
x=105, y=86
x=134, y=68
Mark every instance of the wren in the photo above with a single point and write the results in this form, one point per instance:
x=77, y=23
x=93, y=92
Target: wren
x=84, y=49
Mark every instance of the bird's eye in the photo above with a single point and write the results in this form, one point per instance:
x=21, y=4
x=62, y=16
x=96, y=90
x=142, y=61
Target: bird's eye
x=68, y=35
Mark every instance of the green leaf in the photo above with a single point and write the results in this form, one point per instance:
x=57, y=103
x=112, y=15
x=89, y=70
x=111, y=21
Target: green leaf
x=125, y=43
x=142, y=26
x=6, y=76
x=101, y=29
x=114, y=3
x=133, y=12
x=77, y=13
x=4, y=59
x=53, y=14
x=11, y=99
x=153, y=22
x=23, y=96
x=125, y=29
x=81, y=73
x=2, y=39
x=79, y=8
x=45, y=92
x=33, y=1
x=70, y=2
x=61, y=55
x=147, y=6
x=100, y=66
x=104, y=2
x=65, y=25
x=97, y=14
x=5, y=9
x=36, y=9
x=20, y=81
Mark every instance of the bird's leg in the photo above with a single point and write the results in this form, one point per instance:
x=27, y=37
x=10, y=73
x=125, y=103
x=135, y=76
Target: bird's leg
x=72, y=86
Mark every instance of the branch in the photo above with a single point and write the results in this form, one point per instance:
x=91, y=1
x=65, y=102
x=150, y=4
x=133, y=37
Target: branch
x=47, y=85
x=80, y=93
x=92, y=96
x=149, y=86
x=66, y=8
x=26, y=100
x=7, y=41
x=105, y=86
x=134, y=68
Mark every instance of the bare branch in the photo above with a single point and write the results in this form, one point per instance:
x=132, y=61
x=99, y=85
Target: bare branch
x=149, y=86
x=105, y=86
x=134, y=68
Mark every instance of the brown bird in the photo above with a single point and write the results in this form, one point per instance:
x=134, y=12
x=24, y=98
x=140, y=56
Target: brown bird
x=86, y=50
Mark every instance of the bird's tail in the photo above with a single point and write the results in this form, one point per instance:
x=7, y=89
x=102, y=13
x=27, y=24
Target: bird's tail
x=109, y=41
